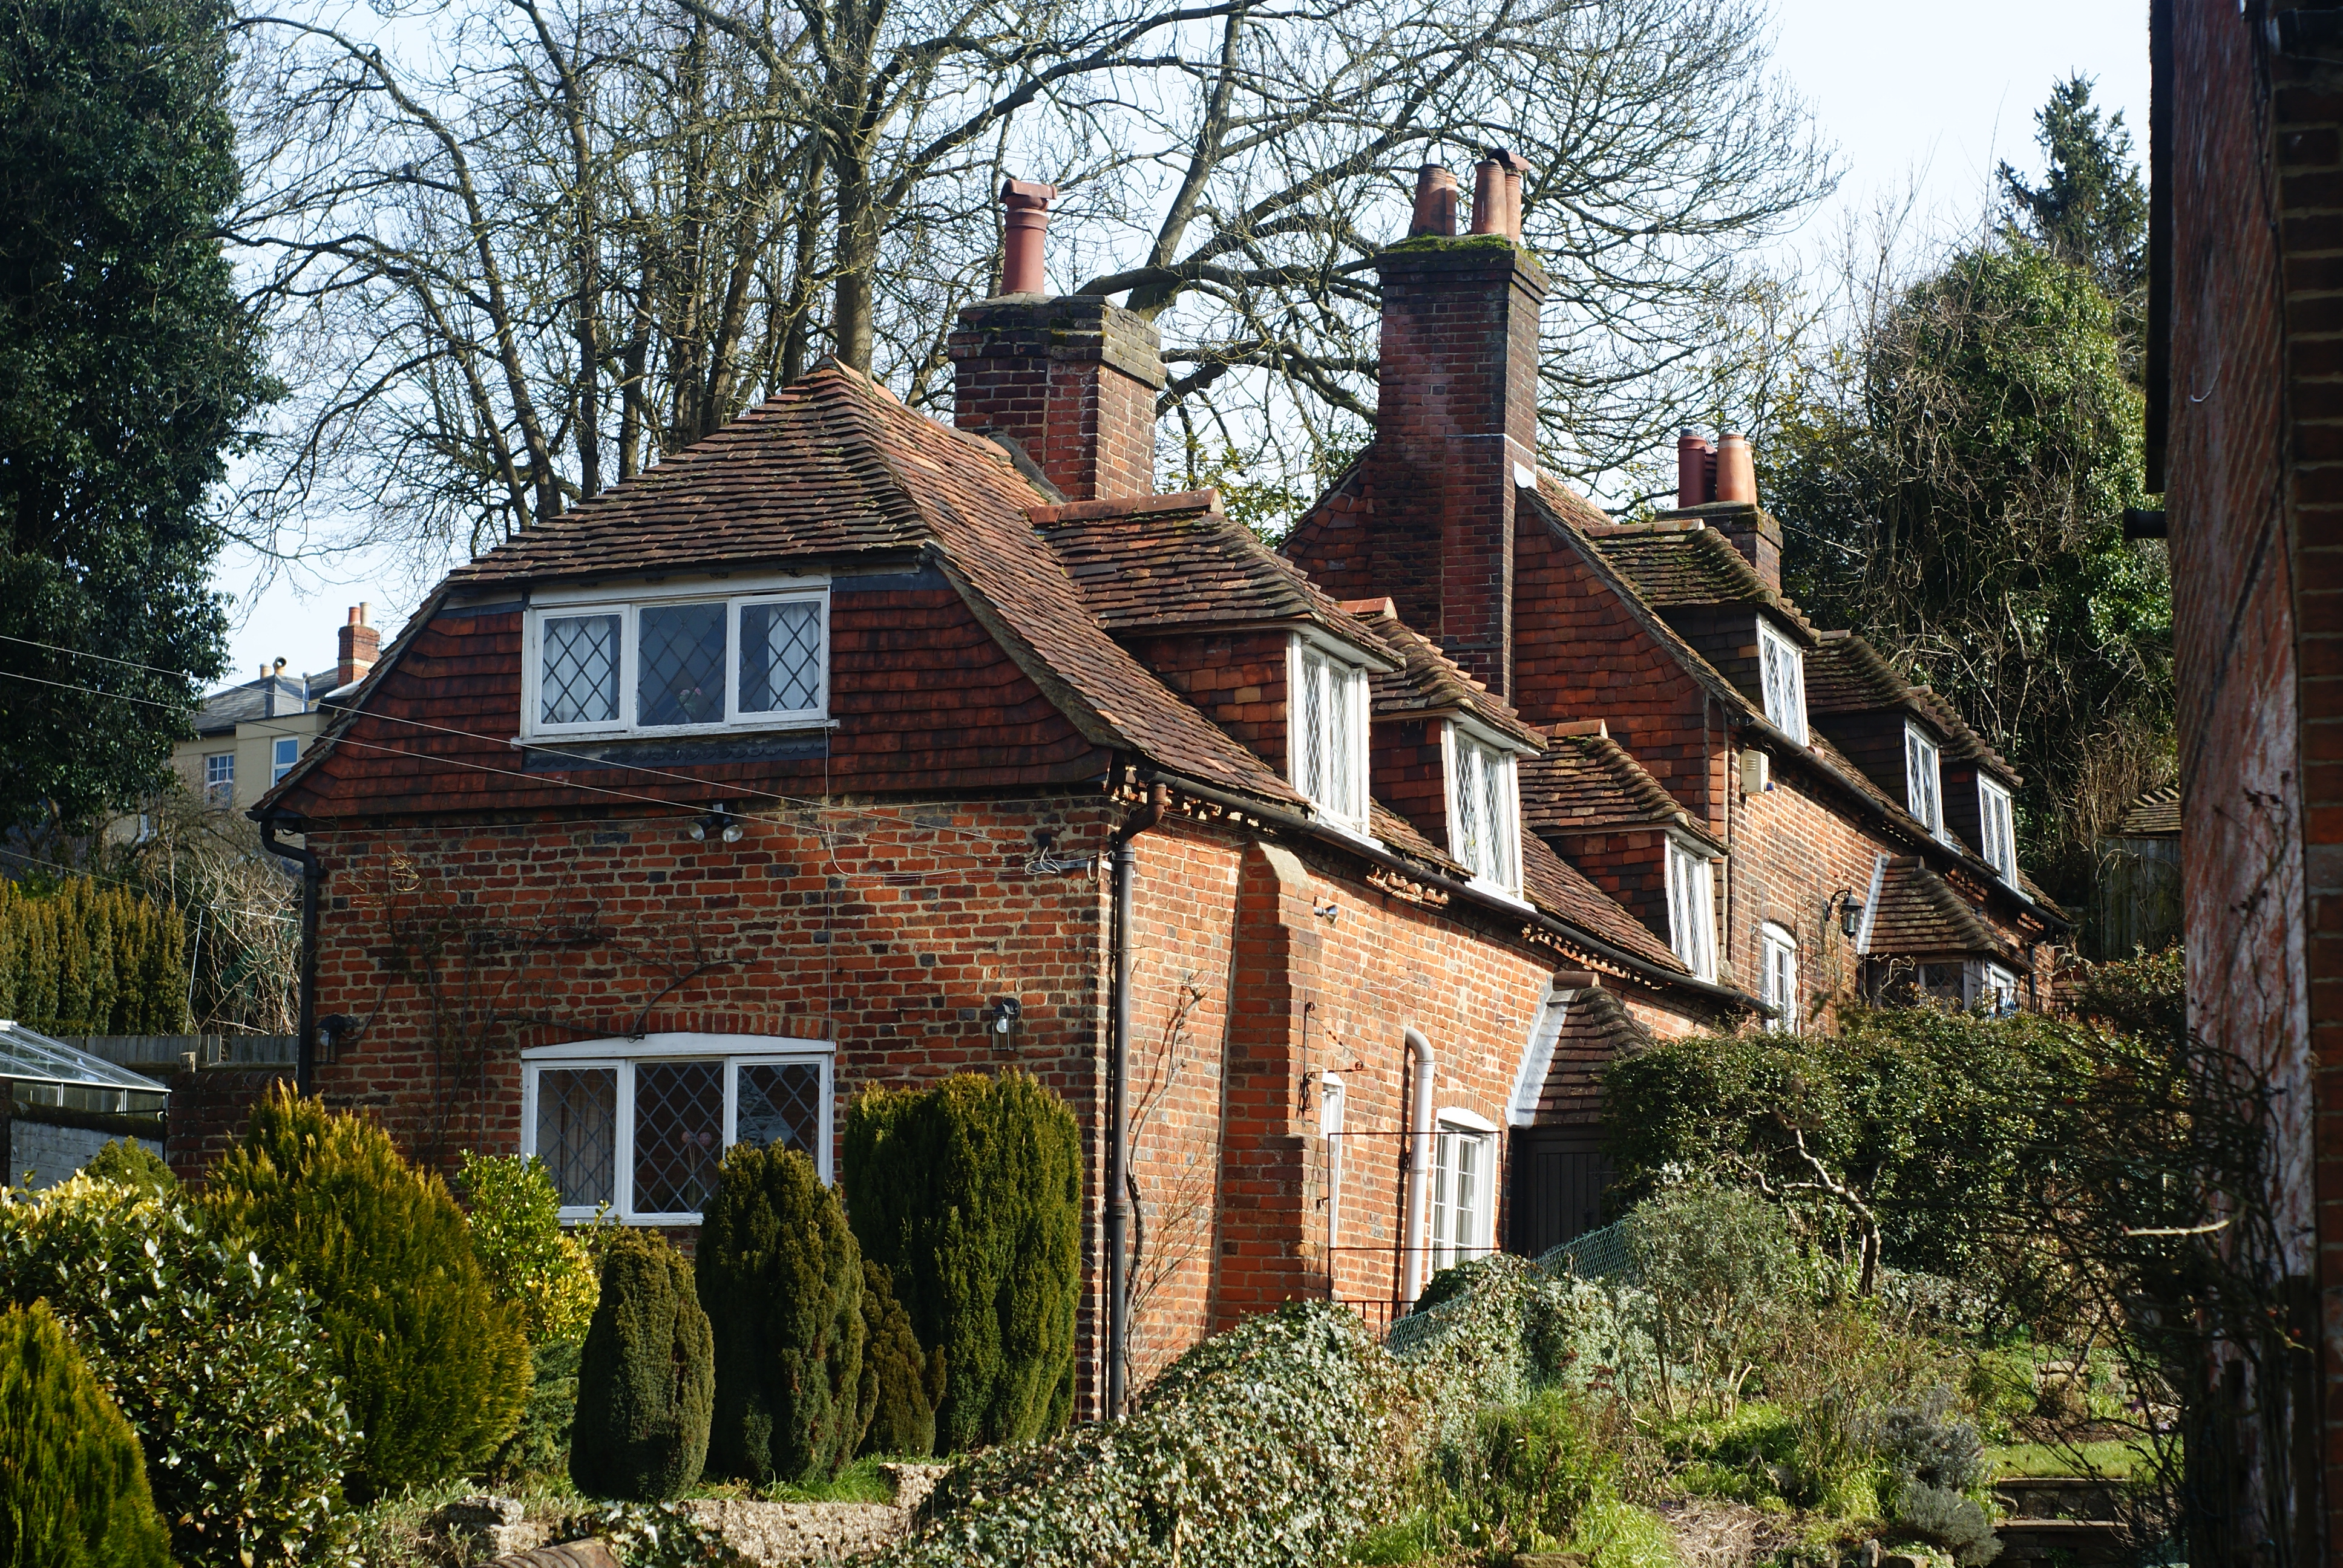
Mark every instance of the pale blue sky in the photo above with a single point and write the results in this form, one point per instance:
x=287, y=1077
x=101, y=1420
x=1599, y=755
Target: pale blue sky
x=1914, y=96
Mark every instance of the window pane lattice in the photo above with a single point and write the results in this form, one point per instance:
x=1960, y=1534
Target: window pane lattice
x=780, y=1103
x=579, y=679
x=577, y=1133
x=678, y=1134
x=781, y=657
x=681, y=676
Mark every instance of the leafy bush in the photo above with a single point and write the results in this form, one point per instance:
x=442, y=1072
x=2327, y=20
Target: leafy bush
x=530, y=1261
x=646, y=1377
x=434, y=1368
x=781, y=1278
x=1946, y=1519
x=1718, y=1266
x=1926, y=1445
x=215, y=1359
x=88, y=959
x=73, y=1487
x=539, y=1445
x=654, y=1535
x=1274, y=1444
x=1519, y=1476
x=133, y=1164
x=970, y=1194
x=901, y=1388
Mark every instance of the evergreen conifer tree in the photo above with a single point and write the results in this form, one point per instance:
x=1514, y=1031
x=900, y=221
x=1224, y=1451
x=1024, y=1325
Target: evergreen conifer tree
x=646, y=1377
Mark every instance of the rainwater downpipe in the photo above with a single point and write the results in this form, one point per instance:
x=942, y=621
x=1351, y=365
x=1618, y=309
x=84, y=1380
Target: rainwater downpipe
x=1118, y=1126
x=1419, y=1166
x=313, y=882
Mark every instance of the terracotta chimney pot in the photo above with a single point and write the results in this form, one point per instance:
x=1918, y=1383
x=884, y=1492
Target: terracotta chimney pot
x=1736, y=470
x=1514, y=167
x=1436, y=203
x=1025, y=211
x=1693, y=456
x=1488, y=197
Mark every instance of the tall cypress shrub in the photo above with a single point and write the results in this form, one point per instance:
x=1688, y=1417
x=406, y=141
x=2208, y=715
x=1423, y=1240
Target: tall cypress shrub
x=969, y=1193
x=781, y=1278
x=86, y=959
x=900, y=1386
x=646, y=1379
x=435, y=1369
x=73, y=1486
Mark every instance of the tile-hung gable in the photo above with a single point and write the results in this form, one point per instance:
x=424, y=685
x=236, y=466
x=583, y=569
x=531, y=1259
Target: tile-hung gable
x=849, y=749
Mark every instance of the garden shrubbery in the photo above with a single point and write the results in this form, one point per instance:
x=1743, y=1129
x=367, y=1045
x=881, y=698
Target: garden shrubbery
x=781, y=1278
x=901, y=1387
x=646, y=1377
x=435, y=1369
x=969, y=1194
x=215, y=1359
x=73, y=1485
x=89, y=959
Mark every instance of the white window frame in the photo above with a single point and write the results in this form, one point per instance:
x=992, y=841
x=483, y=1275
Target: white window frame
x=1692, y=907
x=1777, y=976
x=219, y=777
x=1923, y=780
x=735, y=1050
x=1997, y=826
x=628, y=605
x=1998, y=990
x=1340, y=679
x=1468, y=756
x=1781, y=676
x=1445, y=1247
x=283, y=753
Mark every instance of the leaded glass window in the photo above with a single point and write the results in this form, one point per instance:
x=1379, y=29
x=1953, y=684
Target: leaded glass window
x=1782, y=673
x=1330, y=762
x=579, y=678
x=640, y=1126
x=1483, y=818
x=781, y=657
x=1923, y=780
x=681, y=665
x=2000, y=845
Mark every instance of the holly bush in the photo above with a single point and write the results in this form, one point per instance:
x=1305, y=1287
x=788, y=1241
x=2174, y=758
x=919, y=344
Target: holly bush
x=215, y=1359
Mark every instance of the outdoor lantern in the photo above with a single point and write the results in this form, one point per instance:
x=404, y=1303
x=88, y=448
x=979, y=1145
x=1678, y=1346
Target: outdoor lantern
x=719, y=822
x=1850, y=913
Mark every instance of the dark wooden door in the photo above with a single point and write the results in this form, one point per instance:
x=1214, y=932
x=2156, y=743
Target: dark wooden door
x=1559, y=1174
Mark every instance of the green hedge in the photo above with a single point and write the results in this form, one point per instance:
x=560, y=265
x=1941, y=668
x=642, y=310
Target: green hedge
x=900, y=1386
x=435, y=1369
x=73, y=1486
x=215, y=1359
x=781, y=1278
x=969, y=1194
x=88, y=959
x=646, y=1377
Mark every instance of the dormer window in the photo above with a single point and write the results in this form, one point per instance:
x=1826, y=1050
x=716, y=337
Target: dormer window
x=660, y=662
x=1484, y=811
x=1329, y=739
x=1692, y=909
x=1782, y=671
x=1923, y=788
x=1998, y=829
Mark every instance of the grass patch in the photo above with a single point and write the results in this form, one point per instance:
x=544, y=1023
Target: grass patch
x=2113, y=1460
x=1615, y=1533
x=1404, y=1539
x=858, y=1483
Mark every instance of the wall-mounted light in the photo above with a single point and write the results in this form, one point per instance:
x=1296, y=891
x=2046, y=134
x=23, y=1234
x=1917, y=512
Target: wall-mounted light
x=1328, y=911
x=1850, y=912
x=1006, y=1011
x=720, y=823
x=333, y=1029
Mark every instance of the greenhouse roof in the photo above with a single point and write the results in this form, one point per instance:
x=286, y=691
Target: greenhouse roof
x=27, y=1056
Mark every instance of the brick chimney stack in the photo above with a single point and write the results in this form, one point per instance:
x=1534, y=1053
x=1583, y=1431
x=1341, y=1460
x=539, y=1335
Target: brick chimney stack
x=1071, y=379
x=361, y=645
x=1718, y=483
x=1455, y=431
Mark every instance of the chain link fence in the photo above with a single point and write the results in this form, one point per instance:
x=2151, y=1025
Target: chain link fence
x=1602, y=1255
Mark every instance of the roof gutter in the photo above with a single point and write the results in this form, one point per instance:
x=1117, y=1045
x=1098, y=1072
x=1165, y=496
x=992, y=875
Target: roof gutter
x=1642, y=969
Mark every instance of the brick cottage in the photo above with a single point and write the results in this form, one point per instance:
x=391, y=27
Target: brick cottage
x=846, y=747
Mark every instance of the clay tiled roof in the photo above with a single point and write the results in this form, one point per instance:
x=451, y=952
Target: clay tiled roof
x=1564, y=891
x=1845, y=674
x=1672, y=565
x=1586, y=782
x=1175, y=561
x=1428, y=680
x=1919, y=914
x=2153, y=815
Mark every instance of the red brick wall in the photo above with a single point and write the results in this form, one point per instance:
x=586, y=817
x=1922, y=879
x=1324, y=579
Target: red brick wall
x=1072, y=379
x=1236, y=679
x=2255, y=503
x=208, y=1110
x=1408, y=772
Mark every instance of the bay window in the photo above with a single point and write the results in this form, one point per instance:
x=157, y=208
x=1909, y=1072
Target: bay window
x=1328, y=738
x=639, y=1127
x=1692, y=909
x=1782, y=674
x=1484, y=811
x=652, y=662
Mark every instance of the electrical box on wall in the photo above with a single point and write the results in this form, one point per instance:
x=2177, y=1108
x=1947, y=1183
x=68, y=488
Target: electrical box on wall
x=1756, y=772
